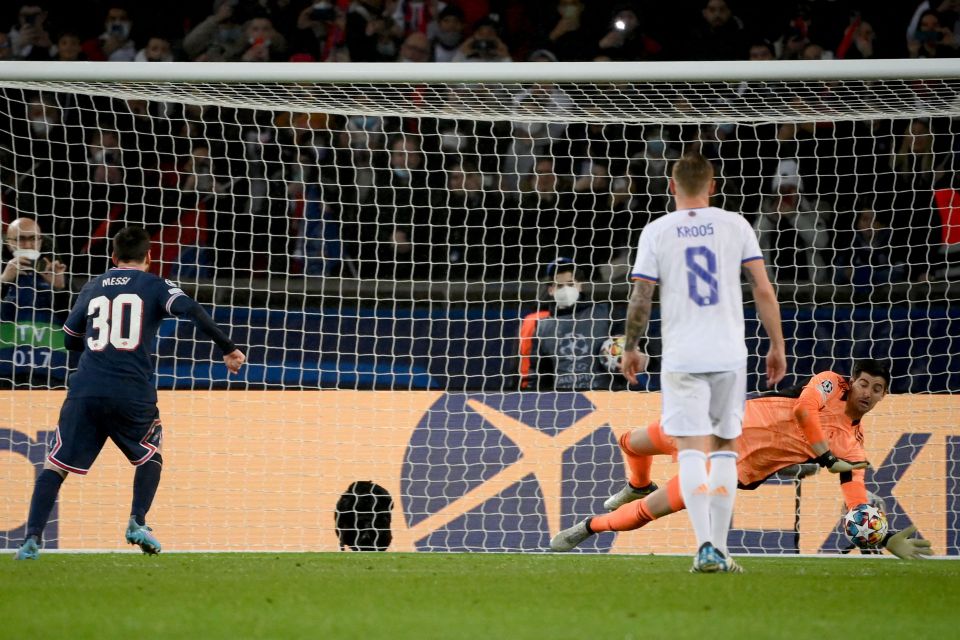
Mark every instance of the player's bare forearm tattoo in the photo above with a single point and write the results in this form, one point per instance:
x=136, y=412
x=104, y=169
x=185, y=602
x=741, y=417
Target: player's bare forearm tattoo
x=638, y=312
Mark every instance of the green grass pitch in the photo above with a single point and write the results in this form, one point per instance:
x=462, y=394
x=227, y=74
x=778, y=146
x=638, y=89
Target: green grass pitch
x=398, y=595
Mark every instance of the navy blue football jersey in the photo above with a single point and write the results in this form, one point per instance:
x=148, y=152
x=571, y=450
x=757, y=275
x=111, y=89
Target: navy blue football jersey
x=117, y=315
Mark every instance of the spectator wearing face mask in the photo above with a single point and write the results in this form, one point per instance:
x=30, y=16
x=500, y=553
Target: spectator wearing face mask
x=114, y=44
x=448, y=34
x=792, y=232
x=41, y=173
x=560, y=343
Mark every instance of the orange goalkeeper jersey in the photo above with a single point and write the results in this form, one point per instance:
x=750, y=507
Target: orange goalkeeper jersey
x=772, y=439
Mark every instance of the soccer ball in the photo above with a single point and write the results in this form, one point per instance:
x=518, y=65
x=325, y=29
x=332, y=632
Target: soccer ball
x=611, y=352
x=865, y=525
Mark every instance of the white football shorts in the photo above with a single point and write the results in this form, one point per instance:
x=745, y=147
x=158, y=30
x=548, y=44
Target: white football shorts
x=703, y=404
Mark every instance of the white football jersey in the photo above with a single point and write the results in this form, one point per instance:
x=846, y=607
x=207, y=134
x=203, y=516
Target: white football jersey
x=695, y=255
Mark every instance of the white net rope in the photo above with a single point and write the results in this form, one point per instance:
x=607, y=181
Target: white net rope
x=387, y=241
x=662, y=102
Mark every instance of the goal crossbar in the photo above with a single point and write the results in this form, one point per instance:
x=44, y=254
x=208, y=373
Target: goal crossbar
x=523, y=72
x=626, y=92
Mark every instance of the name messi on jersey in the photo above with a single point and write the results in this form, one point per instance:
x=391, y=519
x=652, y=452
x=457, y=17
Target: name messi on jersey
x=695, y=230
x=114, y=281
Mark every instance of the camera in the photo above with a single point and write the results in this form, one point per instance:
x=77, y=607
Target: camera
x=928, y=36
x=30, y=19
x=484, y=46
x=323, y=12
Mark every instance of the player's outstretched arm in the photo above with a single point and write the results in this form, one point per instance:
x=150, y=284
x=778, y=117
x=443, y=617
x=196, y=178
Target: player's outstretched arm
x=769, y=311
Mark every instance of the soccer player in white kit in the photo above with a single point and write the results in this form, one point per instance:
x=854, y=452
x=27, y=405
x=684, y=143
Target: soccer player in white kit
x=696, y=254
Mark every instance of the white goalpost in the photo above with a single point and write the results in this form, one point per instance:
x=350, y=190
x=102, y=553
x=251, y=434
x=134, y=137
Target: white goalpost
x=375, y=235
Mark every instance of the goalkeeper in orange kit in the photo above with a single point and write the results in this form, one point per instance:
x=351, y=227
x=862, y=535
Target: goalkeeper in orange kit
x=823, y=425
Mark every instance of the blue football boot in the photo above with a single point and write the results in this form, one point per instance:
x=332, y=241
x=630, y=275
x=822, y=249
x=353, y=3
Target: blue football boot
x=708, y=560
x=142, y=536
x=29, y=550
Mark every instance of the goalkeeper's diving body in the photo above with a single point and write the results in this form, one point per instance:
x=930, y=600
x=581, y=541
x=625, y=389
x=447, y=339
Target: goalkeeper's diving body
x=823, y=425
x=112, y=394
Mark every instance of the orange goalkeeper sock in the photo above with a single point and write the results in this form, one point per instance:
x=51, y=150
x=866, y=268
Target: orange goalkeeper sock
x=674, y=497
x=639, y=465
x=630, y=516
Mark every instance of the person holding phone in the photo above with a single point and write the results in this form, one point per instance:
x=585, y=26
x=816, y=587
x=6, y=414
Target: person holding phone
x=24, y=240
x=484, y=45
x=29, y=40
x=219, y=37
x=931, y=39
x=34, y=300
x=265, y=42
x=625, y=40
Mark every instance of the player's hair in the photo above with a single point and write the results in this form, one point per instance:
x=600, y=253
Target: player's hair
x=560, y=265
x=131, y=244
x=877, y=368
x=692, y=173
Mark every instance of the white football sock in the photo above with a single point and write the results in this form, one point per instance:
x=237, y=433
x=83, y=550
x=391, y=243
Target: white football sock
x=723, y=492
x=694, y=488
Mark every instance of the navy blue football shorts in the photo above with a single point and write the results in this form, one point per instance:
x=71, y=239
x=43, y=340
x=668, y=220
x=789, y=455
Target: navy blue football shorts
x=86, y=423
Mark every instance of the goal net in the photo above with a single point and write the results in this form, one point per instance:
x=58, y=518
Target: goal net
x=377, y=237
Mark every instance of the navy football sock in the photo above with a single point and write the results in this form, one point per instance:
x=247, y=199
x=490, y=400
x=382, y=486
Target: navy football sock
x=145, y=483
x=45, y=492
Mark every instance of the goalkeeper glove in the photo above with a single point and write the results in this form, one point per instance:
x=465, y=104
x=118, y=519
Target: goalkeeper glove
x=835, y=465
x=905, y=547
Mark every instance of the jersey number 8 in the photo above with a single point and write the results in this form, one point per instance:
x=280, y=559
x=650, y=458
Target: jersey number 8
x=108, y=321
x=706, y=272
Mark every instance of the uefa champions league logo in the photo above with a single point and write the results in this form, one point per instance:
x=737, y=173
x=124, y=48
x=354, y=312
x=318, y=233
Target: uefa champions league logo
x=504, y=472
x=575, y=345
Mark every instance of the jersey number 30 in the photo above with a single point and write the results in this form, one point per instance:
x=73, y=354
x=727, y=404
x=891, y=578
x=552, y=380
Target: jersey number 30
x=108, y=322
x=702, y=267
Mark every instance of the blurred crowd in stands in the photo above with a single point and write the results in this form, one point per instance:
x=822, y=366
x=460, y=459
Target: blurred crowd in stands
x=228, y=192
x=488, y=30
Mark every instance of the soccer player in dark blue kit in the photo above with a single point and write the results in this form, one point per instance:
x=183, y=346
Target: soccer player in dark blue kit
x=114, y=323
